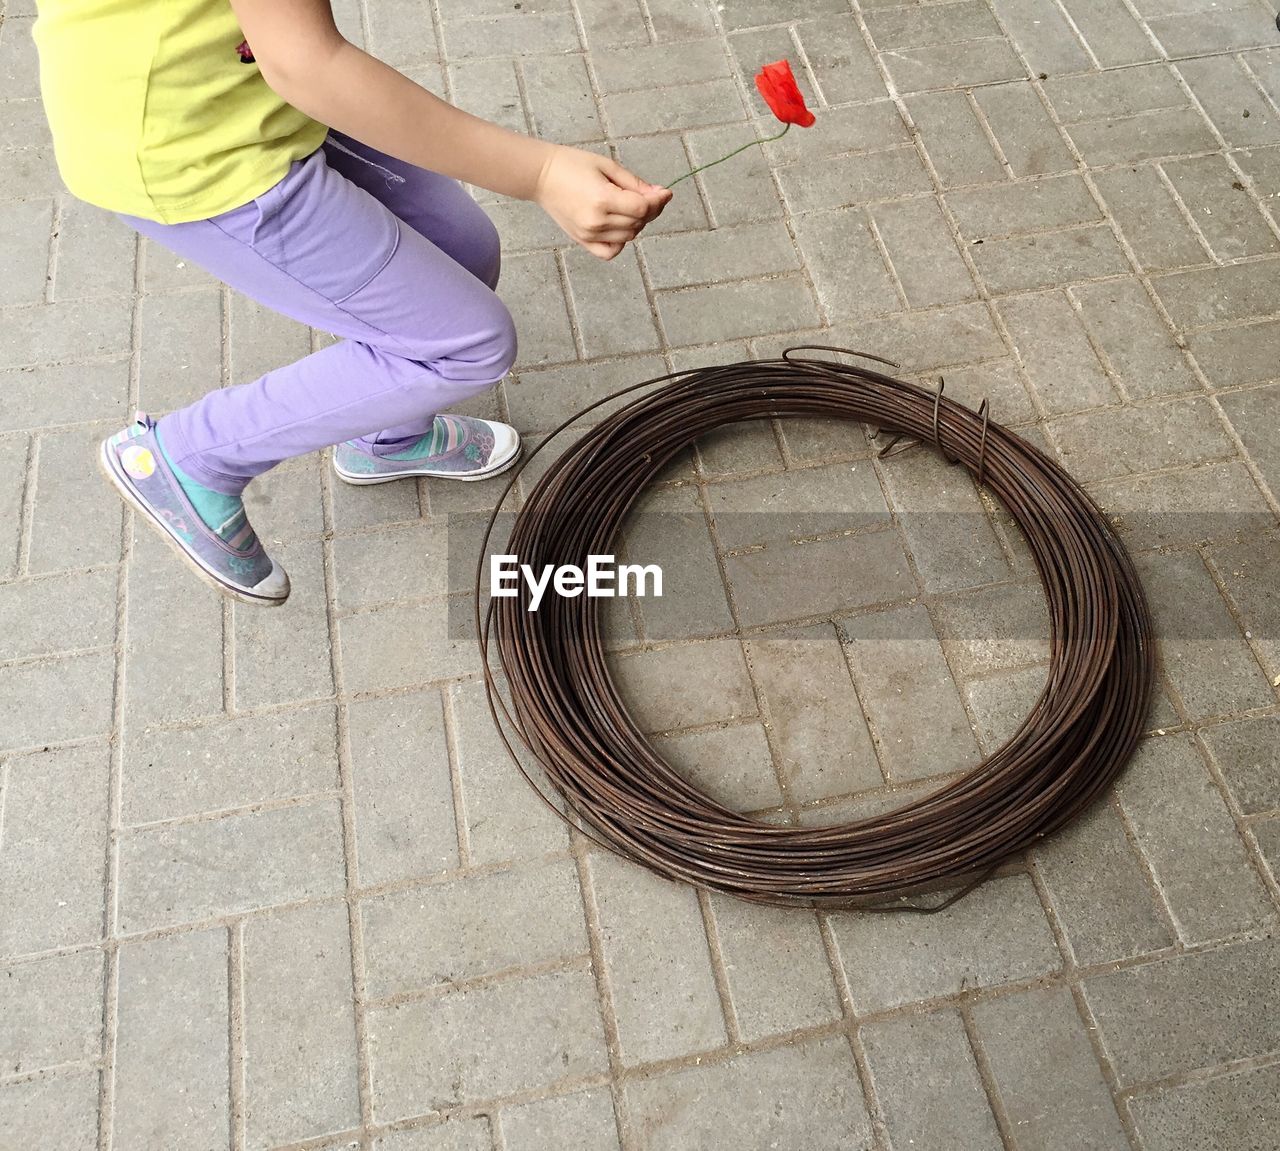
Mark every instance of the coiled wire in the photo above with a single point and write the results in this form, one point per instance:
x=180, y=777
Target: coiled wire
x=565, y=711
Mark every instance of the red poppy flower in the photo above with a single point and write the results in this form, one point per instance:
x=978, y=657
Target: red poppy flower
x=778, y=87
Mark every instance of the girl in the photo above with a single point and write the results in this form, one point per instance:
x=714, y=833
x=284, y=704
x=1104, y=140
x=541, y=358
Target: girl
x=250, y=138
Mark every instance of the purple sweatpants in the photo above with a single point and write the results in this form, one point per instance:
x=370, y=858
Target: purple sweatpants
x=398, y=261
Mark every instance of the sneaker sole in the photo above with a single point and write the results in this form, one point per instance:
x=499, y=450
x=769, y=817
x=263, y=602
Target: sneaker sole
x=358, y=480
x=106, y=464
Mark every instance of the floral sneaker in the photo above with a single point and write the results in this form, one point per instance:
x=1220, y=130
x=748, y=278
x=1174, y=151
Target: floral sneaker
x=456, y=448
x=230, y=558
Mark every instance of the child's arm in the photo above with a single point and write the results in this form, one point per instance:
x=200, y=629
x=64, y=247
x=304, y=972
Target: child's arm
x=307, y=62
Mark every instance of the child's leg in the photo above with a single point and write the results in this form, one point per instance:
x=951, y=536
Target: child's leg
x=435, y=207
x=422, y=332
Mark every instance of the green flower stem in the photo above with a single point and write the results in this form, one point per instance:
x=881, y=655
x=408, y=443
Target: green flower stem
x=766, y=140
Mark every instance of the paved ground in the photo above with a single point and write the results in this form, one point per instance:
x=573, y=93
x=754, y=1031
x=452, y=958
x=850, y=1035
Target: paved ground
x=265, y=879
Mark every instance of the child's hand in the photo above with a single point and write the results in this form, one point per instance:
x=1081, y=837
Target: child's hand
x=597, y=201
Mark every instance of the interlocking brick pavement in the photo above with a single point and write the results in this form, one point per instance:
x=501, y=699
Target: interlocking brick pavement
x=268, y=881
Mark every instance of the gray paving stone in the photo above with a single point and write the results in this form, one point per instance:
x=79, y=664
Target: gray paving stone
x=810, y=440
x=192, y=871
x=847, y=267
x=1115, y=94
x=669, y=529
x=839, y=60
x=1206, y=659
x=1173, y=433
x=722, y=254
x=634, y=68
x=610, y=304
x=613, y=24
x=96, y=253
x=1038, y=1037
x=171, y=1061
x=1049, y=259
x=1140, y=350
x=51, y=1011
x=542, y=400
x=14, y=454
x=1026, y=135
x=561, y=104
x=946, y=24
x=29, y=172
x=796, y=504
x=679, y=20
x=1045, y=39
x=299, y=1023
x=404, y=812
x=446, y=933
x=922, y=253
x=917, y=721
x=77, y=517
x=650, y=683
x=451, y=1135
x=807, y=1094
x=57, y=700
x=581, y=1122
x=531, y=289
x=869, y=127
x=505, y=820
x=1190, y=840
x=778, y=972
x=400, y=32
x=1168, y=132
x=25, y=235
x=1098, y=888
x=1253, y=415
x=749, y=446
x=1114, y=37
x=714, y=101
x=1055, y=352
x=1187, y=1012
x=1029, y=206
x=1247, y=752
x=260, y=340
x=57, y=613
x=438, y=1053
x=859, y=178
x=994, y=629
x=953, y=138
x=51, y=854
x=927, y=1083
x=826, y=576
x=658, y=963
x=286, y=502
x=820, y=740
x=524, y=33
x=964, y=65
x=996, y=934
x=408, y=561
x=741, y=190
x=75, y=330
x=1231, y=1110
x=1000, y=703
x=60, y=1111
x=1243, y=25
x=1243, y=569
x=23, y=125
x=1231, y=357
x=938, y=508
x=1182, y=508
x=1226, y=91
x=282, y=656
x=736, y=310
x=406, y=645
x=18, y=62
x=1267, y=835
x=1221, y=208
x=181, y=348
x=227, y=763
x=489, y=88
x=748, y=13
x=1151, y=223
x=173, y=648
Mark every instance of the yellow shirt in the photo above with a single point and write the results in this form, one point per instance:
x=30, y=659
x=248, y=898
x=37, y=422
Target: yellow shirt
x=157, y=109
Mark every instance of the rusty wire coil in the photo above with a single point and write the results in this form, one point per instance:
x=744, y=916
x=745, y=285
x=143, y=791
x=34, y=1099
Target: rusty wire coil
x=565, y=712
